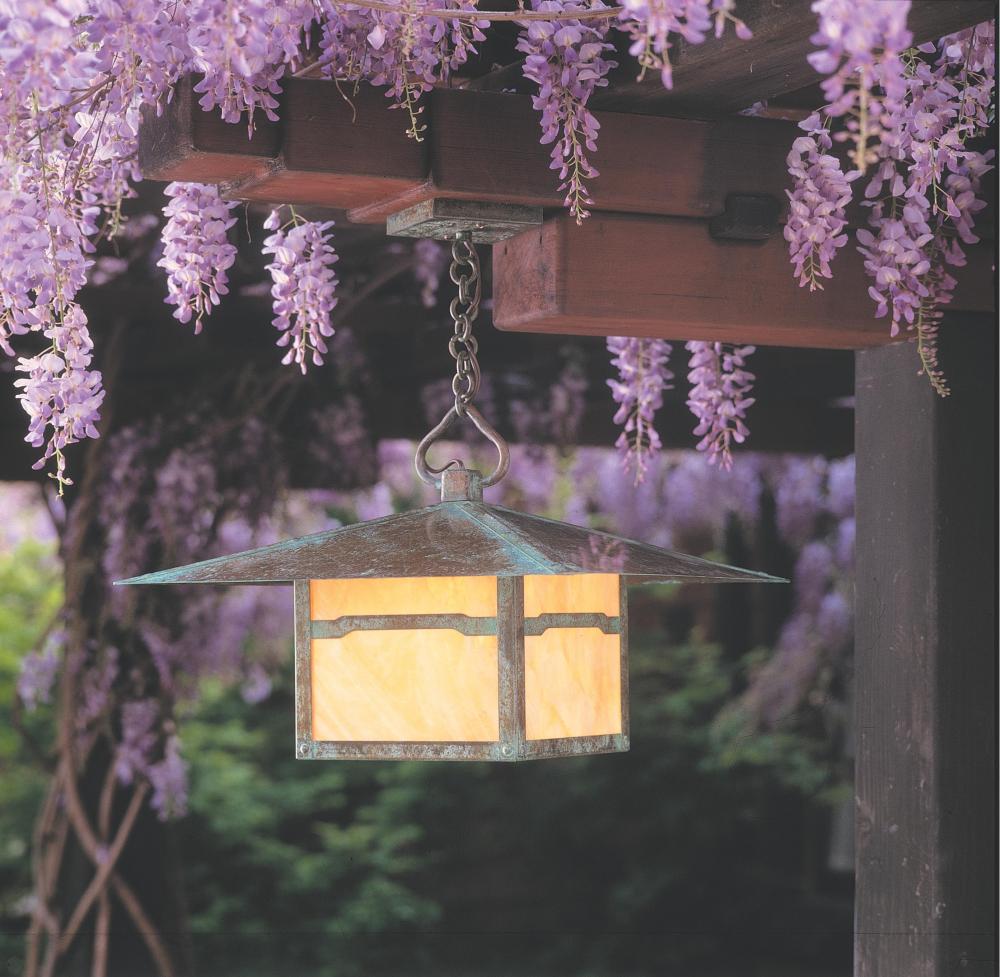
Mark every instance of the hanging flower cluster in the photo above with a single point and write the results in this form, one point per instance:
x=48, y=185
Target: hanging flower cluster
x=643, y=375
x=651, y=23
x=430, y=258
x=817, y=218
x=196, y=249
x=567, y=59
x=304, y=286
x=719, y=397
x=405, y=52
x=908, y=115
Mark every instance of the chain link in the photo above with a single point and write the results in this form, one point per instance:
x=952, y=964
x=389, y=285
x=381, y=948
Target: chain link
x=464, y=309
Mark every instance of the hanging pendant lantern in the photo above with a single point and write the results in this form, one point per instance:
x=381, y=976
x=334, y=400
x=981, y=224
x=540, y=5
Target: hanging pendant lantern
x=463, y=630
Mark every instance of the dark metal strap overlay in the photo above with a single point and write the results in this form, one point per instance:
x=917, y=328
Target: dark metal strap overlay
x=462, y=623
x=539, y=625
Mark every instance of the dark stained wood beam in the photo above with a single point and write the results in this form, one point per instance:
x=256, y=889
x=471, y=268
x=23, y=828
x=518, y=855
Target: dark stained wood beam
x=726, y=75
x=329, y=152
x=647, y=276
x=335, y=146
x=386, y=353
x=485, y=146
x=185, y=143
x=926, y=662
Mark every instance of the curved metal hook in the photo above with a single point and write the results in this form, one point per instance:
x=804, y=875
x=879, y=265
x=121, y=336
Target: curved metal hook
x=432, y=476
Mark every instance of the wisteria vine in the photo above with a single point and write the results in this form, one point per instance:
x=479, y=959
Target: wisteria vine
x=77, y=75
x=908, y=115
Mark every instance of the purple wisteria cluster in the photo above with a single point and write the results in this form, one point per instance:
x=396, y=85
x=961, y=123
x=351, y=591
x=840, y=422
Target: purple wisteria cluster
x=651, y=24
x=719, y=397
x=909, y=114
x=814, y=501
x=567, y=59
x=861, y=45
x=196, y=249
x=817, y=220
x=304, y=285
x=643, y=375
x=60, y=393
x=430, y=258
x=38, y=672
x=406, y=52
x=173, y=494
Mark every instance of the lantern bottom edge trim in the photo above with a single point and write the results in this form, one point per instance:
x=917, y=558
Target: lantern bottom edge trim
x=495, y=751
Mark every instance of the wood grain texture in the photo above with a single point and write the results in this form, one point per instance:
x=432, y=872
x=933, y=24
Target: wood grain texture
x=340, y=148
x=484, y=146
x=724, y=75
x=644, y=276
x=188, y=144
x=926, y=662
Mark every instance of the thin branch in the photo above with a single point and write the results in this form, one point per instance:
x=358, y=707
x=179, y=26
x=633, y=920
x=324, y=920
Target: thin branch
x=105, y=866
x=99, y=963
x=594, y=13
x=89, y=843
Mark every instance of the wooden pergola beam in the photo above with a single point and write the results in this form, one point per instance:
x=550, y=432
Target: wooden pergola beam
x=646, y=276
x=723, y=75
x=346, y=150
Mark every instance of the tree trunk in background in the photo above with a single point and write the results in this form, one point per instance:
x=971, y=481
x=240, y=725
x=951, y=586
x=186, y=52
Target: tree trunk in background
x=147, y=864
x=926, y=661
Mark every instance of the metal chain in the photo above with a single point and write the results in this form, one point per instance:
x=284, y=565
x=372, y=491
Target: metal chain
x=464, y=309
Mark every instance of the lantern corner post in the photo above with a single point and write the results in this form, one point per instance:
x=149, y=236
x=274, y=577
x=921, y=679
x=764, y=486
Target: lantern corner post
x=623, y=639
x=304, y=745
x=510, y=654
x=926, y=660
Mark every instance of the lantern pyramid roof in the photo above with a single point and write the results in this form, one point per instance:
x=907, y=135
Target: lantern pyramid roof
x=454, y=538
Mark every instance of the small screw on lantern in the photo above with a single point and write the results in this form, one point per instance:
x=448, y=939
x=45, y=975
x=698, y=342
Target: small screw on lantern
x=463, y=630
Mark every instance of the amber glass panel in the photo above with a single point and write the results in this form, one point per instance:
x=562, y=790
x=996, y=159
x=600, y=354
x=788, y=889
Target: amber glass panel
x=433, y=685
x=424, y=686
x=475, y=596
x=591, y=593
x=572, y=683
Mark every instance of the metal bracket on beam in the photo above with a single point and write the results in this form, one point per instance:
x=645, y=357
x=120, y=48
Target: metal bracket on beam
x=747, y=217
x=442, y=219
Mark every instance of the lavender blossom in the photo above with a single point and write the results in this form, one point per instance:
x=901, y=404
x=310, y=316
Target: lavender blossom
x=196, y=249
x=304, y=286
x=60, y=393
x=798, y=497
x=861, y=45
x=835, y=622
x=139, y=734
x=643, y=375
x=840, y=487
x=909, y=116
x=256, y=685
x=719, y=397
x=817, y=220
x=567, y=60
x=38, y=673
x=430, y=260
x=650, y=23
x=170, y=782
x=242, y=51
x=844, y=545
x=812, y=576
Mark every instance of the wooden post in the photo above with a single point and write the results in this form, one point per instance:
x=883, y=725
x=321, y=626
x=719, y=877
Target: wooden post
x=926, y=661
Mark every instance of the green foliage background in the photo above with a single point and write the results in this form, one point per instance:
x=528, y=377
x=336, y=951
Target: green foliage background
x=701, y=848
